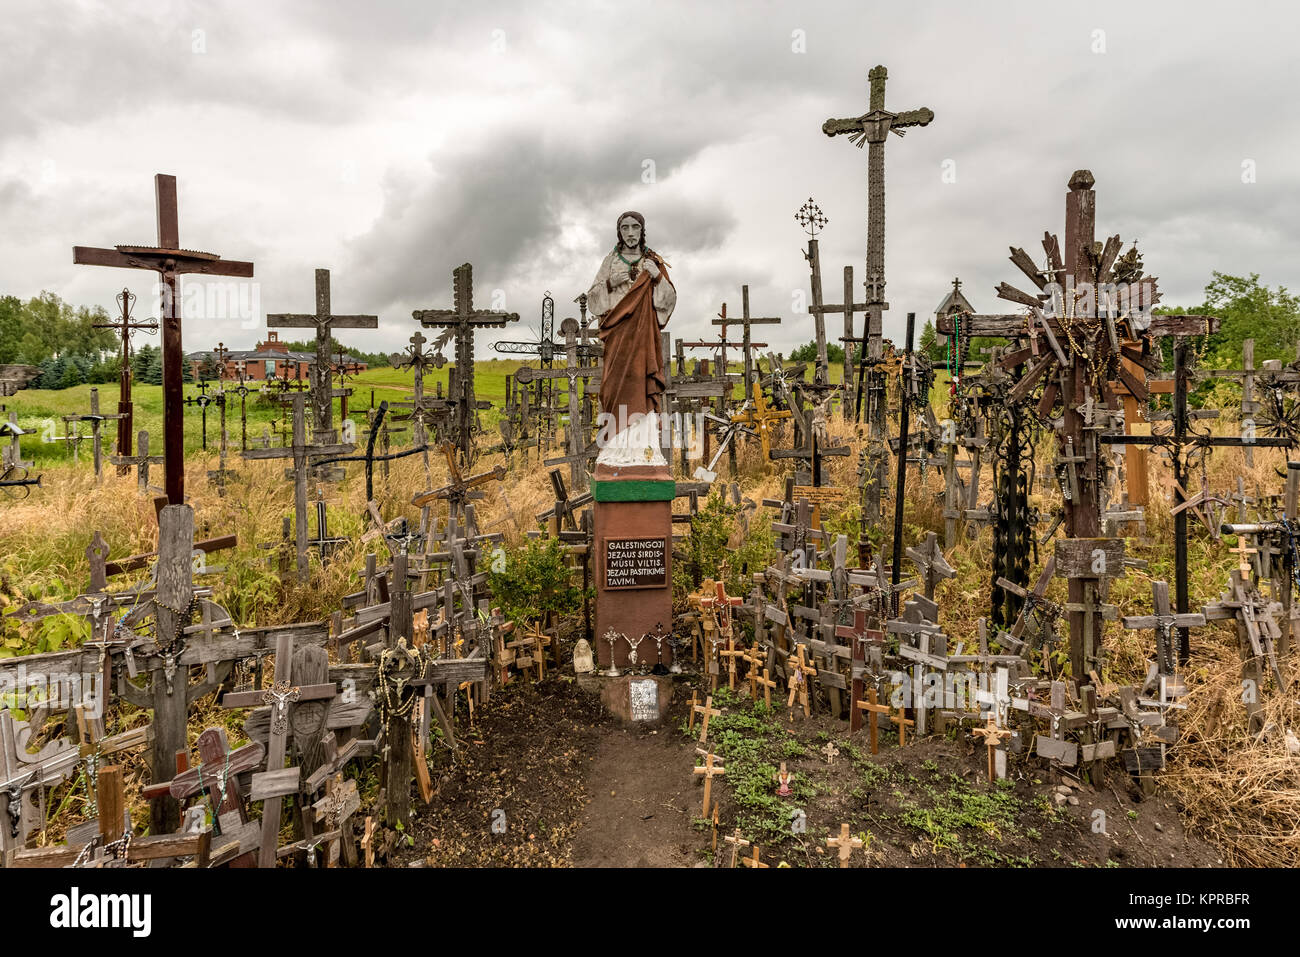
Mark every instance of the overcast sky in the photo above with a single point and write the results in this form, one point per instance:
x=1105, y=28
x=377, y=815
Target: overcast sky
x=391, y=142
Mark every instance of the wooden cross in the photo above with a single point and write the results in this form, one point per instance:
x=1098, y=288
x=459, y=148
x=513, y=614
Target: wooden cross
x=929, y=561
x=170, y=261
x=831, y=752
x=461, y=321
x=873, y=710
x=340, y=802
x=460, y=489
x=761, y=418
x=745, y=321
x=800, y=670
x=844, y=844
x=96, y=420
x=731, y=654
x=368, y=841
x=903, y=724
x=277, y=781
x=125, y=327
x=1243, y=553
x=324, y=323
x=753, y=861
x=767, y=683
x=871, y=129
x=706, y=711
x=142, y=462
x=992, y=736
x=736, y=842
x=709, y=771
x=300, y=452
x=1163, y=621
x=756, y=658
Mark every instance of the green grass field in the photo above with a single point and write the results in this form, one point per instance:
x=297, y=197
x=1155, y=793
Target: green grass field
x=40, y=411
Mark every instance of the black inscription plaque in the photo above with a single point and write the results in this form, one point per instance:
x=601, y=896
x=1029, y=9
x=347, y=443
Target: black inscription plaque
x=636, y=562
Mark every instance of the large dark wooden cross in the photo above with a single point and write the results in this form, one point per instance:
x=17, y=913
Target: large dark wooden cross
x=460, y=322
x=871, y=129
x=170, y=261
x=1077, y=339
x=324, y=323
x=125, y=326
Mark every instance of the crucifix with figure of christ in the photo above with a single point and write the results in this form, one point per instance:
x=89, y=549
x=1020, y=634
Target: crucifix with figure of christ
x=460, y=322
x=324, y=323
x=170, y=261
x=125, y=326
x=871, y=129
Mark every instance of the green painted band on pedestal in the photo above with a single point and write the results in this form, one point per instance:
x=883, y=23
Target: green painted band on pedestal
x=634, y=490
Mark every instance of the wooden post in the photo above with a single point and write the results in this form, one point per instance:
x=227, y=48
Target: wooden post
x=170, y=708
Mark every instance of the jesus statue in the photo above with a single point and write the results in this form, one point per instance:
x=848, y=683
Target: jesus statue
x=633, y=298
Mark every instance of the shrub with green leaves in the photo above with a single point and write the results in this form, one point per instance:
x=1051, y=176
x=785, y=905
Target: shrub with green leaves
x=534, y=580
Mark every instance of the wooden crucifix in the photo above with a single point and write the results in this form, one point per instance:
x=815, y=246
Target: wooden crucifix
x=324, y=323
x=125, y=327
x=708, y=770
x=416, y=359
x=1163, y=622
x=745, y=321
x=170, y=261
x=301, y=453
x=460, y=322
x=844, y=845
x=871, y=129
x=277, y=781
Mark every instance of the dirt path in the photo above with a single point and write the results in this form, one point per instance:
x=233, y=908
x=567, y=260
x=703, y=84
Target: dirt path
x=642, y=804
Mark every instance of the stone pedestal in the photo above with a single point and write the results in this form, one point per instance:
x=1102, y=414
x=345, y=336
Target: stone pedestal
x=635, y=700
x=634, y=566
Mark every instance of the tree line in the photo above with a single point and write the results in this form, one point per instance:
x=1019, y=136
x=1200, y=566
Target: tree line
x=62, y=342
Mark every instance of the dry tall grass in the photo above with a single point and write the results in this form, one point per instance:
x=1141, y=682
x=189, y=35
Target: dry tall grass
x=1239, y=790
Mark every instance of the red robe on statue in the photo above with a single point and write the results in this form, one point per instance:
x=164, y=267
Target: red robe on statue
x=632, y=377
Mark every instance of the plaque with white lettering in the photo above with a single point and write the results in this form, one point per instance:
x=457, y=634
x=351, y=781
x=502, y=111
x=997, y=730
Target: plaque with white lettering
x=644, y=699
x=635, y=562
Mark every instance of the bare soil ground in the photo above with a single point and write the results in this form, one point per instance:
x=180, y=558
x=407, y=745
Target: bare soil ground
x=568, y=787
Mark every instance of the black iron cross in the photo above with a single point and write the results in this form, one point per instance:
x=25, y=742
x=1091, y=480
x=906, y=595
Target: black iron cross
x=1181, y=444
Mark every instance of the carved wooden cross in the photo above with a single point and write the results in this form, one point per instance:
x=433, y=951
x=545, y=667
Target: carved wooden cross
x=170, y=261
x=324, y=323
x=277, y=781
x=707, y=711
x=745, y=321
x=709, y=771
x=992, y=736
x=460, y=489
x=874, y=712
x=844, y=844
x=461, y=321
x=800, y=670
x=736, y=842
